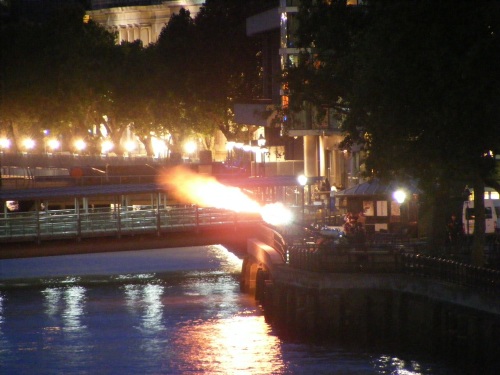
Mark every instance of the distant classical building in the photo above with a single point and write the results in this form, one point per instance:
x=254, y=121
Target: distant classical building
x=133, y=20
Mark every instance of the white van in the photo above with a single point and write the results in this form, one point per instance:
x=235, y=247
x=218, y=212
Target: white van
x=492, y=216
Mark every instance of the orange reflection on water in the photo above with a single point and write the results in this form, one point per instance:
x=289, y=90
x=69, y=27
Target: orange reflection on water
x=238, y=345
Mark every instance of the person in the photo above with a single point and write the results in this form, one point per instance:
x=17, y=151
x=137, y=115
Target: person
x=454, y=233
x=362, y=218
x=326, y=185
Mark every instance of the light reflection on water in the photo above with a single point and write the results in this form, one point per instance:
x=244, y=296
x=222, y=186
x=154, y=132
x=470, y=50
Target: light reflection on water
x=181, y=322
x=241, y=345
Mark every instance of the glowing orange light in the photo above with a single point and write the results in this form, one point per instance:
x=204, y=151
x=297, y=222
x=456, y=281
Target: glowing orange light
x=206, y=191
x=233, y=345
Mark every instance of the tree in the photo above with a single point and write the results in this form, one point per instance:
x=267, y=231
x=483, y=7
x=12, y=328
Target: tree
x=54, y=73
x=429, y=92
x=206, y=70
x=420, y=93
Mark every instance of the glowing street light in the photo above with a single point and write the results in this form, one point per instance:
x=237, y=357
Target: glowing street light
x=399, y=196
x=106, y=146
x=53, y=144
x=159, y=147
x=4, y=144
x=80, y=145
x=261, y=141
x=190, y=148
x=28, y=144
x=130, y=146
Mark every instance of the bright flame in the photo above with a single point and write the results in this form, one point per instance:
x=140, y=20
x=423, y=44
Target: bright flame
x=206, y=191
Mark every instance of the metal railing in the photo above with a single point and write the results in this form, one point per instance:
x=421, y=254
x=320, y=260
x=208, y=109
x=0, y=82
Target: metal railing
x=479, y=278
x=79, y=223
x=310, y=257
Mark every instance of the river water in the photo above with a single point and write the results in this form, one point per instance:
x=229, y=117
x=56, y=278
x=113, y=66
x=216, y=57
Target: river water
x=165, y=311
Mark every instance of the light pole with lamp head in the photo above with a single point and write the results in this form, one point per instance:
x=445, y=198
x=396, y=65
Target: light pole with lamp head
x=261, y=142
x=190, y=148
x=80, y=145
x=302, y=182
x=466, y=197
x=400, y=196
x=4, y=144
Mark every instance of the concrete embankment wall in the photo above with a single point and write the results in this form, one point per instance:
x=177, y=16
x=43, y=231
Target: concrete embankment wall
x=372, y=310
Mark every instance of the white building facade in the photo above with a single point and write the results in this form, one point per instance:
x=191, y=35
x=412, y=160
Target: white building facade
x=143, y=22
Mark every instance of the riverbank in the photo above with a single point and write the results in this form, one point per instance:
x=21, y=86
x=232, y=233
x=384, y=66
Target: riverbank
x=234, y=240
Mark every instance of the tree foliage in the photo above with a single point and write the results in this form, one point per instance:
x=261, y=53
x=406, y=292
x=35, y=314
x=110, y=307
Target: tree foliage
x=54, y=73
x=64, y=74
x=416, y=84
x=210, y=64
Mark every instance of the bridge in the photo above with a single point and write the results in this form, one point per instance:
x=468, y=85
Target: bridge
x=342, y=293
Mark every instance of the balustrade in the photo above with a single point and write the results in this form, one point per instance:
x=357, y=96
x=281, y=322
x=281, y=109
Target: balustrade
x=52, y=224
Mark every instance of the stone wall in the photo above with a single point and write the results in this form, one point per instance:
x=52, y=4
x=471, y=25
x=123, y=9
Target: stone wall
x=354, y=310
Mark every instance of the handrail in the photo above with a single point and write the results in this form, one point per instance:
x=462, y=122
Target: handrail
x=71, y=223
x=347, y=259
x=479, y=278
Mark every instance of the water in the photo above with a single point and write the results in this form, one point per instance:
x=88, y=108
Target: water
x=167, y=311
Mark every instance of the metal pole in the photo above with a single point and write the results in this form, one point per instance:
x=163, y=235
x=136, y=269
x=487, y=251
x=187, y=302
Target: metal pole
x=37, y=216
x=158, y=215
x=303, y=204
x=263, y=164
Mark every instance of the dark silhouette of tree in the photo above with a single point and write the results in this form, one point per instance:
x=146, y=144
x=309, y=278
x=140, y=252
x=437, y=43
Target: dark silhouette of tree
x=210, y=63
x=414, y=82
x=54, y=73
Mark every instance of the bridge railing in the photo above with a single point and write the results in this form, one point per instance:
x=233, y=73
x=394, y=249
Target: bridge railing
x=310, y=257
x=71, y=223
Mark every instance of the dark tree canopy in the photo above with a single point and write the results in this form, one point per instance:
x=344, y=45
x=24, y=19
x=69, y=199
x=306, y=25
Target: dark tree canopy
x=415, y=82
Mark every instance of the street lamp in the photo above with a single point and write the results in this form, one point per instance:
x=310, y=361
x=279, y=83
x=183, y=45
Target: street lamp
x=159, y=147
x=106, y=147
x=302, y=182
x=399, y=196
x=130, y=146
x=261, y=142
x=466, y=197
x=190, y=148
x=53, y=144
x=28, y=144
x=80, y=145
x=4, y=144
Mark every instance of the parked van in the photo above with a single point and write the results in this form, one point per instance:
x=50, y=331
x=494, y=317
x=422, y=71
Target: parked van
x=492, y=216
